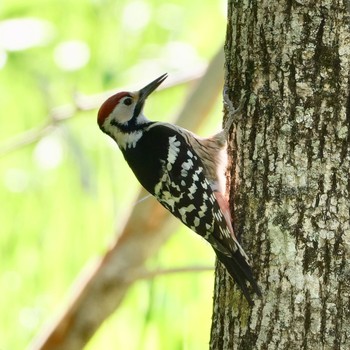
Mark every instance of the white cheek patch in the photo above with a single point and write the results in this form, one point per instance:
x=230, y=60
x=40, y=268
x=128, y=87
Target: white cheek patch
x=122, y=113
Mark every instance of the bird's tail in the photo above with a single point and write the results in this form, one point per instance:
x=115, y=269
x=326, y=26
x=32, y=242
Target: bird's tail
x=241, y=272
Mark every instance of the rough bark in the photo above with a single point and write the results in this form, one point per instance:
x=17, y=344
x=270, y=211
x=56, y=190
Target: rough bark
x=290, y=180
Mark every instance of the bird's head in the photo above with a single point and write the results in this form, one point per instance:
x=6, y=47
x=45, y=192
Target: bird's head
x=124, y=109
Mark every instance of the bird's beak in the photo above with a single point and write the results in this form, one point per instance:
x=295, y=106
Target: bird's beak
x=146, y=91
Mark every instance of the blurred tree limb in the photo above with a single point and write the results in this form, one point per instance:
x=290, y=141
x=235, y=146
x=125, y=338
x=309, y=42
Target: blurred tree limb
x=81, y=103
x=104, y=283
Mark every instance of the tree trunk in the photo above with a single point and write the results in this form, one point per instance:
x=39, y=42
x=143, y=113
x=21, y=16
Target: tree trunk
x=290, y=180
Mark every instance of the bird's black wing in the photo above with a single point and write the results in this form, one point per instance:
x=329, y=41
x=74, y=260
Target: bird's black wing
x=184, y=190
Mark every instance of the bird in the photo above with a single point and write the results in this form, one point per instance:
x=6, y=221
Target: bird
x=183, y=171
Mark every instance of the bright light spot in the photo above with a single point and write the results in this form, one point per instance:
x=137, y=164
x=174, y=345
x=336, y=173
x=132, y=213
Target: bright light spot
x=136, y=15
x=3, y=58
x=16, y=180
x=72, y=55
x=48, y=153
x=11, y=280
x=180, y=55
x=147, y=69
x=223, y=8
x=23, y=33
x=170, y=16
x=29, y=317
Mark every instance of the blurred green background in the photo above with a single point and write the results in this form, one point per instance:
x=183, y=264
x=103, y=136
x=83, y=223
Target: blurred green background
x=63, y=195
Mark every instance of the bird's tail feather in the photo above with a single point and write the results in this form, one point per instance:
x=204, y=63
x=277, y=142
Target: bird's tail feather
x=241, y=272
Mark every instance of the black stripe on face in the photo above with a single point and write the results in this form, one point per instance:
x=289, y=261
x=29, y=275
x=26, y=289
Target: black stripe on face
x=137, y=110
x=130, y=126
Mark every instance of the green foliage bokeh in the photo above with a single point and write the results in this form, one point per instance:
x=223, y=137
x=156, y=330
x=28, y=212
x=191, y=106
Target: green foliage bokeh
x=63, y=195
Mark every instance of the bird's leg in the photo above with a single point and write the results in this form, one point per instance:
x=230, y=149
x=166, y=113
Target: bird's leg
x=231, y=112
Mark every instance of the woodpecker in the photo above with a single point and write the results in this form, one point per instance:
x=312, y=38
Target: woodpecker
x=183, y=171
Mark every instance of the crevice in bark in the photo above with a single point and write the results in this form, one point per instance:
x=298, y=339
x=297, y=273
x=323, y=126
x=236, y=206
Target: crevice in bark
x=307, y=321
x=265, y=59
x=346, y=142
x=320, y=49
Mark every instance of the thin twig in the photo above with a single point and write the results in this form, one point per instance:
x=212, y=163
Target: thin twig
x=150, y=274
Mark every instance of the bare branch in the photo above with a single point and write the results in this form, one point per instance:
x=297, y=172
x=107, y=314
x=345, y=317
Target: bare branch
x=150, y=274
x=24, y=139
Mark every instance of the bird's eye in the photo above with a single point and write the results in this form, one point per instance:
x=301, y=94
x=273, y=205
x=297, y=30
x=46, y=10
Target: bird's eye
x=128, y=101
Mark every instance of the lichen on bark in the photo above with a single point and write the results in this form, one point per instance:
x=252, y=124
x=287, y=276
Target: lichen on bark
x=290, y=182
